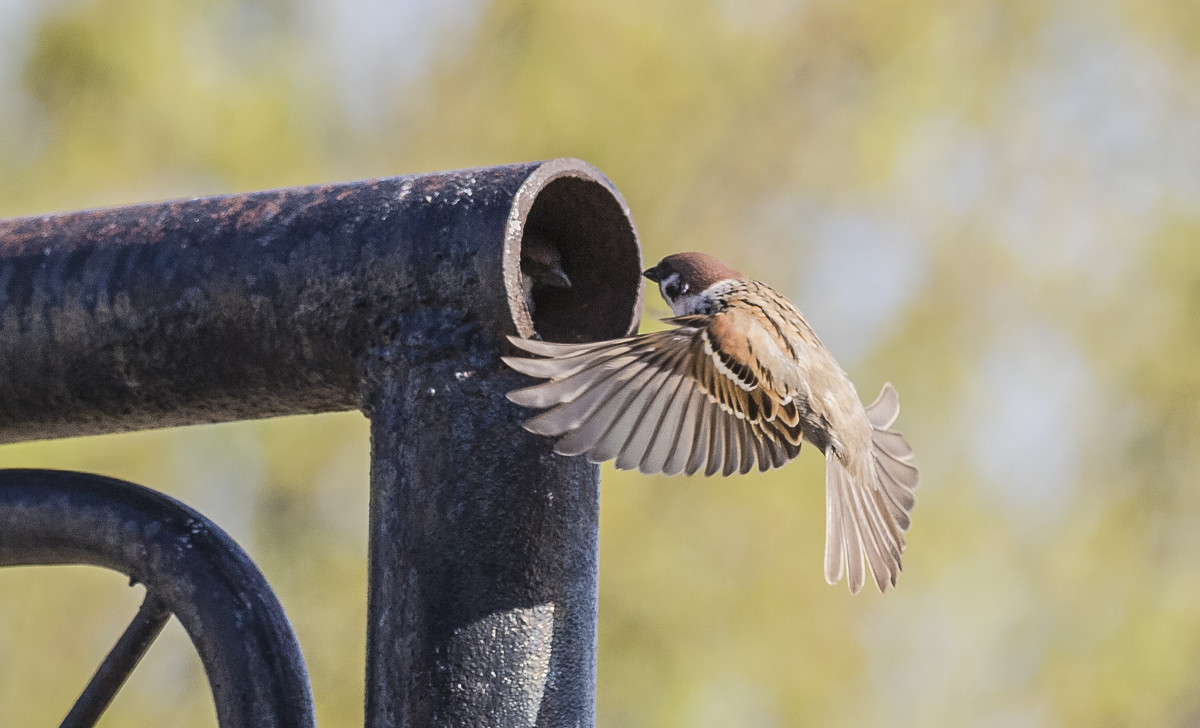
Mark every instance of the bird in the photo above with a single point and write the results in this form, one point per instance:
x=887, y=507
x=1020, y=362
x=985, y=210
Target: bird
x=739, y=379
x=541, y=267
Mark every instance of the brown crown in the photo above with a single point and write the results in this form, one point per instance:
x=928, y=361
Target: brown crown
x=697, y=270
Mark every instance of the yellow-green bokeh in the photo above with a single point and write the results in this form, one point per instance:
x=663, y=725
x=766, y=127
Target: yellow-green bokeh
x=995, y=205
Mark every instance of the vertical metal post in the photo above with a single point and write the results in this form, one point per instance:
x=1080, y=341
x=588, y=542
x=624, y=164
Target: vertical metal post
x=483, y=557
x=483, y=549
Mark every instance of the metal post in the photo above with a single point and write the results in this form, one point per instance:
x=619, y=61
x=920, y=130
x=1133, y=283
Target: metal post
x=391, y=296
x=483, y=553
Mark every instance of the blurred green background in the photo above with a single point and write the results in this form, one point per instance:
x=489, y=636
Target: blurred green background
x=995, y=204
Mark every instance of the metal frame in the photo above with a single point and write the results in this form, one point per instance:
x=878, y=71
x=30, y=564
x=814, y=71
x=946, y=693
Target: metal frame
x=391, y=296
x=191, y=568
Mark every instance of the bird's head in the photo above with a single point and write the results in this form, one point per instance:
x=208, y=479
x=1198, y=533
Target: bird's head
x=692, y=283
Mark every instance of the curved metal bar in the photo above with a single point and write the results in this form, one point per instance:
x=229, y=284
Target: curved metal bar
x=249, y=651
x=118, y=664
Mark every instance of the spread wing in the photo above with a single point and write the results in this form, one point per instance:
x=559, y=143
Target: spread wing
x=717, y=394
x=671, y=401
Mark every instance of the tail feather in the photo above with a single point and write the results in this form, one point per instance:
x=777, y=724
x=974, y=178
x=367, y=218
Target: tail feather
x=868, y=512
x=885, y=409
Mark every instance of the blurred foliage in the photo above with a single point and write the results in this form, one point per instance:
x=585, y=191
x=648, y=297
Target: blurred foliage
x=994, y=204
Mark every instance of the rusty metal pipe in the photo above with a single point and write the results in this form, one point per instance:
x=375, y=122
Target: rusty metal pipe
x=262, y=304
x=391, y=296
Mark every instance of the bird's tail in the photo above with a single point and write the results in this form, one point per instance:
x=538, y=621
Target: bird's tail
x=867, y=512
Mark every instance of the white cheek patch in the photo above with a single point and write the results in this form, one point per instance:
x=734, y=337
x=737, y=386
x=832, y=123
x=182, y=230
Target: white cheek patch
x=704, y=302
x=687, y=304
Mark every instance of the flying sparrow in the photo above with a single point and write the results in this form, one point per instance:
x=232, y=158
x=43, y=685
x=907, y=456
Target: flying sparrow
x=740, y=380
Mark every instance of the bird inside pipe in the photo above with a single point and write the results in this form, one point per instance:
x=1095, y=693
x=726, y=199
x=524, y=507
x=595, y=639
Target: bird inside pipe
x=739, y=381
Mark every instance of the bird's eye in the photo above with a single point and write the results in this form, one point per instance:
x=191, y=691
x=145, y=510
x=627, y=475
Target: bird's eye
x=674, y=288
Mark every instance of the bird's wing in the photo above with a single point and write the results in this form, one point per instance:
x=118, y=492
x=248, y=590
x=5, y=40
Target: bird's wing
x=672, y=401
x=868, y=510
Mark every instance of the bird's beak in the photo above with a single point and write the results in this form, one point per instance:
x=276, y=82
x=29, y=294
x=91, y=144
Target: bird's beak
x=652, y=274
x=556, y=277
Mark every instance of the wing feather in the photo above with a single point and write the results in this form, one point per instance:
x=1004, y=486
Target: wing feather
x=647, y=421
x=666, y=431
x=686, y=432
x=764, y=451
x=718, y=443
x=733, y=455
x=563, y=390
x=603, y=433
x=642, y=421
x=576, y=358
x=573, y=413
x=701, y=450
x=748, y=442
x=554, y=350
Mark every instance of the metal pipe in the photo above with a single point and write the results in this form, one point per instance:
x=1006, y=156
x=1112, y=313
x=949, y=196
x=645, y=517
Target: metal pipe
x=391, y=296
x=262, y=304
x=249, y=651
x=483, y=604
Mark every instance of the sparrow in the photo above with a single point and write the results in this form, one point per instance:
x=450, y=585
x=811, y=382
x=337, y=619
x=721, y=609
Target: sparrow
x=739, y=380
x=541, y=267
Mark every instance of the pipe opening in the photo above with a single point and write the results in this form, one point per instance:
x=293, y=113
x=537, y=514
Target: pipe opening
x=568, y=219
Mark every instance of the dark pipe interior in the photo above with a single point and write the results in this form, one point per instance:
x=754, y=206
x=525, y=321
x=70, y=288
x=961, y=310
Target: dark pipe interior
x=588, y=222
